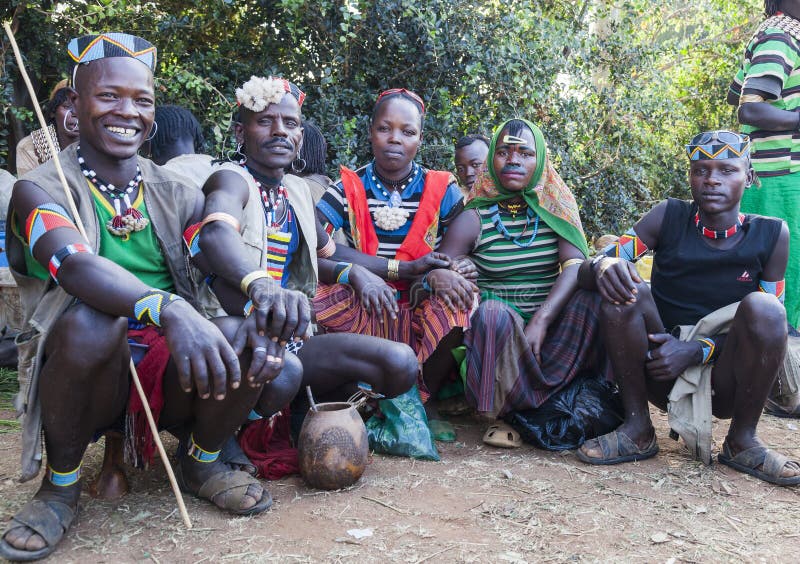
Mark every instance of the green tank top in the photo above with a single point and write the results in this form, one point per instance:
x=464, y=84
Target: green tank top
x=520, y=277
x=138, y=252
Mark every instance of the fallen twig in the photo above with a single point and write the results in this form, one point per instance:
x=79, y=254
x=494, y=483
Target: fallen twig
x=387, y=505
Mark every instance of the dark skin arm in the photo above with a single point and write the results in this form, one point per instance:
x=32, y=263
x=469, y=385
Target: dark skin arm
x=278, y=313
x=376, y=296
x=449, y=284
x=766, y=116
x=559, y=295
x=203, y=357
x=408, y=270
x=619, y=277
x=670, y=357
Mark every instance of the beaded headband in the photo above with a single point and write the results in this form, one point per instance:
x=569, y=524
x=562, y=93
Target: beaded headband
x=403, y=91
x=90, y=48
x=259, y=92
x=718, y=145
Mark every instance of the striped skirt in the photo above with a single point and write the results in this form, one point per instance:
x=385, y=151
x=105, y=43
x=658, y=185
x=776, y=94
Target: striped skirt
x=338, y=310
x=502, y=373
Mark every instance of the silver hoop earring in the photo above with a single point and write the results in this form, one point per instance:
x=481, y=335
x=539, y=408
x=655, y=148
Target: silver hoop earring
x=66, y=127
x=153, y=131
x=298, y=165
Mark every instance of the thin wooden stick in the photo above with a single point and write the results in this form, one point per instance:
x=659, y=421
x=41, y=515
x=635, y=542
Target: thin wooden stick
x=73, y=208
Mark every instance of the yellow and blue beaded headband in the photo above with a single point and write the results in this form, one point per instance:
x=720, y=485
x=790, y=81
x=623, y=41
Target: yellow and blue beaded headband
x=88, y=48
x=718, y=145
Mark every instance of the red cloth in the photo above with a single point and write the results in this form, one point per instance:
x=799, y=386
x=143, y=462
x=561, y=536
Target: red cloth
x=140, y=446
x=421, y=236
x=268, y=445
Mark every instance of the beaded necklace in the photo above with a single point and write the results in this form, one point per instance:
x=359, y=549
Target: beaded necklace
x=498, y=224
x=721, y=234
x=396, y=197
x=275, y=203
x=392, y=217
x=126, y=220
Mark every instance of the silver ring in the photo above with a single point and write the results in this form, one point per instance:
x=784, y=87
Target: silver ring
x=649, y=355
x=262, y=349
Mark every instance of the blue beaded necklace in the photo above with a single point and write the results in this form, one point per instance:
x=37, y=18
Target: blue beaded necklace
x=498, y=224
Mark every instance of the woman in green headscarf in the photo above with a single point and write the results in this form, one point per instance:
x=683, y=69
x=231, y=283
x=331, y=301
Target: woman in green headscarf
x=533, y=330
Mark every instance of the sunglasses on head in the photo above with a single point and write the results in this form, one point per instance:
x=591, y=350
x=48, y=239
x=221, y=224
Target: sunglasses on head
x=723, y=136
x=408, y=93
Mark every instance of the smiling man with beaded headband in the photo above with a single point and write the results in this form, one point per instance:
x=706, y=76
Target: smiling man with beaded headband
x=710, y=335
x=86, y=300
x=261, y=240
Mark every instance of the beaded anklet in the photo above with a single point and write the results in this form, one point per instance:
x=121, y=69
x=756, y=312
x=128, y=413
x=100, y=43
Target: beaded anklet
x=199, y=454
x=63, y=479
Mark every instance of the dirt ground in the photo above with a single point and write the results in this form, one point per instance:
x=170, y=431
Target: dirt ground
x=478, y=504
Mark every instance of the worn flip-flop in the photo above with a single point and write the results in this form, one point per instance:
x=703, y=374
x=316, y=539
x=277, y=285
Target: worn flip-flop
x=502, y=435
x=617, y=447
x=749, y=460
x=442, y=431
x=49, y=519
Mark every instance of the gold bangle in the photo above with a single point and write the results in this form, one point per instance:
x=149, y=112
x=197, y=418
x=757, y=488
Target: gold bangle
x=570, y=262
x=750, y=99
x=327, y=249
x=393, y=269
x=223, y=217
x=250, y=278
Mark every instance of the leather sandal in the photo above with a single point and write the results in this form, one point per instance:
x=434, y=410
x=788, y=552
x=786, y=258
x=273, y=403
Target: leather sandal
x=617, y=447
x=226, y=490
x=49, y=519
x=749, y=460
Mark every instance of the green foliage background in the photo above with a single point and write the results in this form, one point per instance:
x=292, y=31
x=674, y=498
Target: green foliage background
x=616, y=103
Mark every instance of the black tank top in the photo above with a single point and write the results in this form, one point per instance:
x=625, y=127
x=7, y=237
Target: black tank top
x=691, y=279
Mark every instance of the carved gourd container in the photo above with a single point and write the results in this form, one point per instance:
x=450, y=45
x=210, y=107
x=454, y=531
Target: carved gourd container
x=332, y=446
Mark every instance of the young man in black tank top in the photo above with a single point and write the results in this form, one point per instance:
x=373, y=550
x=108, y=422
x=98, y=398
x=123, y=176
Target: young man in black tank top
x=707, y=256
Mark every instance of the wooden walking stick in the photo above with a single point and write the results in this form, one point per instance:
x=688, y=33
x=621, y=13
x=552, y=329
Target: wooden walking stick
x=151, y=422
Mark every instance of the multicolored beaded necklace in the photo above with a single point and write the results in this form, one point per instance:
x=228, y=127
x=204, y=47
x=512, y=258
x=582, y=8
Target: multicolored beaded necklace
x=275, y=202
x=396, y=197
x=722, y=234
x=278, y=214
x=126, y=220
x=498, y=224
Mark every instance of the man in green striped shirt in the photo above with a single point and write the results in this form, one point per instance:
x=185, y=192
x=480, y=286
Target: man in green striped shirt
x=767, y=92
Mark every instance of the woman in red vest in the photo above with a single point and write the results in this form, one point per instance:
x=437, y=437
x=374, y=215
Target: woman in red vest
x=393, y=213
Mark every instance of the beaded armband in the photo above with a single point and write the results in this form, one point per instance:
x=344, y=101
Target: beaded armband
x=628, y=247
x=191, y=237
x=709, y=348
x=342, y=272
x=777, y=289
x=58, y=257
x=44, y=218
x=149, y=307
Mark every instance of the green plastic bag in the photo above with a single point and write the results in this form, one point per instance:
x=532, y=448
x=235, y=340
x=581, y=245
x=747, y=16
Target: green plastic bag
x=402, y=428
